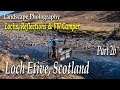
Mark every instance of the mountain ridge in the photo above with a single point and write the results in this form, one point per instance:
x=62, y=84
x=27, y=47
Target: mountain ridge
x=89, y=20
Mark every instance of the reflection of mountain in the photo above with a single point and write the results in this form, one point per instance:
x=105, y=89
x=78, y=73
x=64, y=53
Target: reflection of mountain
x=36, y=52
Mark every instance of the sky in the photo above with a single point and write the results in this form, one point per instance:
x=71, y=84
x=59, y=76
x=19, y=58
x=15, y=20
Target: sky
x=5, y=12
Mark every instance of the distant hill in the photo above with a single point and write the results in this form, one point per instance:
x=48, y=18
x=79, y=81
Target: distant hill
x=16, y=12
x=105, y=16
x=89, y=20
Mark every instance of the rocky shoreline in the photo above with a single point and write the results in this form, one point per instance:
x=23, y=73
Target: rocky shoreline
x=6, y=57
x=20, y=39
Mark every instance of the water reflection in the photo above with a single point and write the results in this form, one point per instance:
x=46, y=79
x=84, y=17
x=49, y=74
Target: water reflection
x=101, y=67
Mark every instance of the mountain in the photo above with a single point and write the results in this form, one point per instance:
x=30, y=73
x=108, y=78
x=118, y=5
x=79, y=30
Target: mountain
x=89, y=20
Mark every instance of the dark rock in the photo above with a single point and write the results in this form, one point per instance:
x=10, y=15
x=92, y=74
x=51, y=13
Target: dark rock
x=24, y=57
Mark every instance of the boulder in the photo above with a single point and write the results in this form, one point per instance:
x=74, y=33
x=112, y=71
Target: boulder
x=24, y=57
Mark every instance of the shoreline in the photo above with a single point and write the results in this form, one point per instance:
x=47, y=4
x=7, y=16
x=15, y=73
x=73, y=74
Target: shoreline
x=18, y=39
